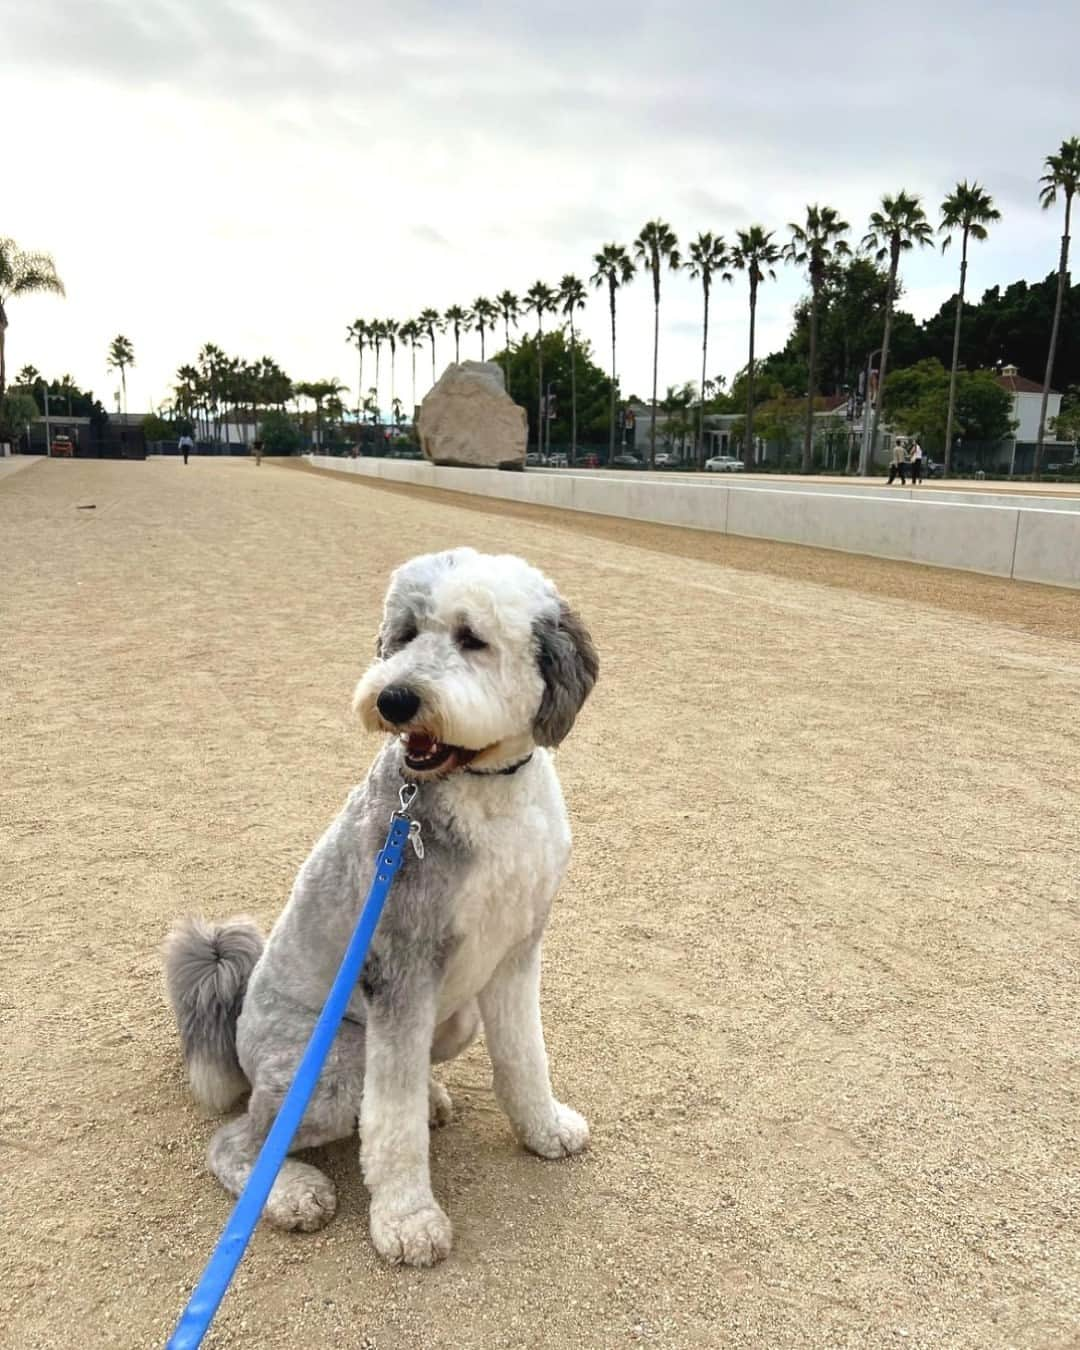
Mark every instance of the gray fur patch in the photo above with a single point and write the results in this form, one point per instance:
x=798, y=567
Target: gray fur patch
x=408, y=600
x=207, y=967
x=569, y=666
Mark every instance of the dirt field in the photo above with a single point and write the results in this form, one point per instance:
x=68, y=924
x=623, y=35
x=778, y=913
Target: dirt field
x=813, y=976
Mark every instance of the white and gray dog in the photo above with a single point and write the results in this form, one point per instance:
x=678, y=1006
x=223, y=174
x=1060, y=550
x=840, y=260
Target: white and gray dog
x=480, y=664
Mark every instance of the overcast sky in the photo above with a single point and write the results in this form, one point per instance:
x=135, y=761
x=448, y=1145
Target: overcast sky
x=258, y=174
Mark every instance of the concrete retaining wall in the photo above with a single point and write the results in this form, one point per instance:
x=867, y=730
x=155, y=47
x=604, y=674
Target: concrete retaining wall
x=978, y=534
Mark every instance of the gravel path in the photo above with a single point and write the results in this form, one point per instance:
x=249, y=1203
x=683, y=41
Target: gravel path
x=813, y=976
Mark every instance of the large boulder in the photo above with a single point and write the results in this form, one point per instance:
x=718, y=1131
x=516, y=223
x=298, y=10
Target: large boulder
x=469, y=420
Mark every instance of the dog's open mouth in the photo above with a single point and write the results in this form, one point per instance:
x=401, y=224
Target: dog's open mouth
x=424, y=754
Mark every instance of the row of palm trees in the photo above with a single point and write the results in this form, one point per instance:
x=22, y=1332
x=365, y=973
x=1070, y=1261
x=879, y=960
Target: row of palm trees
x=818, y=243
x=218, y=390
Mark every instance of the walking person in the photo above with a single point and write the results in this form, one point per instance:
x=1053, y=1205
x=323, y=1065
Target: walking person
x=916, y=462
x=186, y=445
x=898, y=465
x=256, y=450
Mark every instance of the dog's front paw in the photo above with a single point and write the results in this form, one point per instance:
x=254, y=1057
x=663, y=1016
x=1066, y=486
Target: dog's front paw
x=563, y=1134
x=417, y=1239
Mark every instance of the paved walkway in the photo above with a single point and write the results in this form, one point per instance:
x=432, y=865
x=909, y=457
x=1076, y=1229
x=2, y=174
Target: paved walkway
x=10, y=464
x=812, y=976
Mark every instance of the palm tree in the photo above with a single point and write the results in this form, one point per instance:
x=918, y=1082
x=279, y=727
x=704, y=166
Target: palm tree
x=614, y=268
x=391, y=331
x=707, y=256
x=121, y=355
x=29, y=375
x=378, y=335
x=320, y=391
x=212, y=363
x=458, y=320
x=357, y=334
x=21, y=273
x=572, y=297
x=897, y=227
x=818, y=244
x=483, y=315
x=411, y=332
x=509, y=309
x=541, y=300
x=969, y=209
x=430, y=321
x=655, y=245
x=1062, y=175
x=756, y=255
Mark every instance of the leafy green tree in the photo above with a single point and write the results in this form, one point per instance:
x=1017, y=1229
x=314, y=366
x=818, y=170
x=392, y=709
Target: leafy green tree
x=430, y=320
x=897, y=227
x=817, y=243
x=614, y=268
x=541, y=300
x=593, y=386
x=18, y=409
x=706, y=258
x=121, y=357
x=572, y=296
x=483, y=313
x=280, y=432
x=21, y=273
x=458, y=320
x=1066, y=425
x=969, y=209
x=919, y=397
x=509, y=311
x=28, y=376
x=655, y=246
x=756, y=255
x=1062, y=175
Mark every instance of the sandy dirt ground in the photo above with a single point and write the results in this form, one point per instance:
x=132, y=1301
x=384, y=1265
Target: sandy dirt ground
x=813, y=976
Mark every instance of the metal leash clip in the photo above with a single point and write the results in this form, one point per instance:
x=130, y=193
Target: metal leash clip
x=406, y=797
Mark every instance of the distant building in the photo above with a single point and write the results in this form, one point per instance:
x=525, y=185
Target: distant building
x=1027, y=403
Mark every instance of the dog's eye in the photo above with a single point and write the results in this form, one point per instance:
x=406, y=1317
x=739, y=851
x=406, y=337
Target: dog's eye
x=467, y=640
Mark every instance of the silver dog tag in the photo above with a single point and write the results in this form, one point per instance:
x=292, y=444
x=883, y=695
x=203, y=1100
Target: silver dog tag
x=415, y=840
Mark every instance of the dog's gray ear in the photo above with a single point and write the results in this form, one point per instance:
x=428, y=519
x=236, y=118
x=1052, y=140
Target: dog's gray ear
x=569, y=667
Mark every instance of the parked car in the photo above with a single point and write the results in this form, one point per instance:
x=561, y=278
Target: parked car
x=558, y=460
x=62, y=445
x=627, y=462
x=589, y=461
x=534, y=458
x=668, y=461
x=724, y=464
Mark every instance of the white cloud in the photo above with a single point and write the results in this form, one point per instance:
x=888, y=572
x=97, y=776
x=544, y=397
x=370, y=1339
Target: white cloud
x=258, y=175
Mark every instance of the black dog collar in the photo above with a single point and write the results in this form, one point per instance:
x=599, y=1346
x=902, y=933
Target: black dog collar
x=495, y=773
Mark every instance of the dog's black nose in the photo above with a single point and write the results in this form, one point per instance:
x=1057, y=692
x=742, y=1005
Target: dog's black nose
x=398, y=704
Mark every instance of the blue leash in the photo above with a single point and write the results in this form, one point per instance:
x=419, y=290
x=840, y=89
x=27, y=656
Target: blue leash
x=204, y=1302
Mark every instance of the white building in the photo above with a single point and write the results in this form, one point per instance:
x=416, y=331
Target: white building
x=1027, y=403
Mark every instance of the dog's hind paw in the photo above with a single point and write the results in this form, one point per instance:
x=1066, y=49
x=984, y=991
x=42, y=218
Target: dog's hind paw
x=302, y=1200
x=440, y=1105
x=417, y=1239
x=560, y=1136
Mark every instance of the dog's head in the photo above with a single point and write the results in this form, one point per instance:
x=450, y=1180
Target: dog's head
x=479, y=659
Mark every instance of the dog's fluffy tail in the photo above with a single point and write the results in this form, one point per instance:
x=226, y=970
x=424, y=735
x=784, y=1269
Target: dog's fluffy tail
x=207, y=966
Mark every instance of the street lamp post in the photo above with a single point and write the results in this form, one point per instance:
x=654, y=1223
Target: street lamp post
x=48, y=429
x=867, y=450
